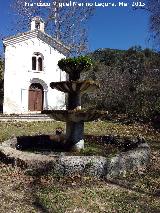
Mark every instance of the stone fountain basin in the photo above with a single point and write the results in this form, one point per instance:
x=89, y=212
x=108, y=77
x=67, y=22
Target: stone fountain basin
x=75, y=86
x=135, y=159
x=75, y=115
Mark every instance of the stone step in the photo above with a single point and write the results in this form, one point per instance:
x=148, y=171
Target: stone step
x=25, y=117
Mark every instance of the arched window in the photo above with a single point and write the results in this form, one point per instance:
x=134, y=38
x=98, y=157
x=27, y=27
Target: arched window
x=37, y=25
x=37, y=62
x=34, y=63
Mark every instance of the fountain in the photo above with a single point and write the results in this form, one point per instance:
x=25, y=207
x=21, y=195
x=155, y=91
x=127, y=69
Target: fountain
x=131, y=154
x=74, y=116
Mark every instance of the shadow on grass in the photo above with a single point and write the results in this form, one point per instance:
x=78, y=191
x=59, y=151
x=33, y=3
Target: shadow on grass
x=38, y=204
x=136, y=182
x=36, y=185
x=137, y=202
x=54, y=198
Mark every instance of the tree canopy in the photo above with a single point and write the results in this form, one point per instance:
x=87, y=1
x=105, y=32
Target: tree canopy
x=129, y=81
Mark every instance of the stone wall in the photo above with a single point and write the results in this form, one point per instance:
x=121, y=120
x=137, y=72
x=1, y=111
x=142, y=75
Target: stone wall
x=136, y=159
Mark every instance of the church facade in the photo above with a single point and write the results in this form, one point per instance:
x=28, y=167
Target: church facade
x=31, y=60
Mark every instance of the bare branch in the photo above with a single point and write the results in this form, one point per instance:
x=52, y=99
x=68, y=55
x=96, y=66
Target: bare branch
x=67, y=24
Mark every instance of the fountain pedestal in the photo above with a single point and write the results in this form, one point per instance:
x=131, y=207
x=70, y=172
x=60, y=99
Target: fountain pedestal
x=74, y=116
x=75, y=135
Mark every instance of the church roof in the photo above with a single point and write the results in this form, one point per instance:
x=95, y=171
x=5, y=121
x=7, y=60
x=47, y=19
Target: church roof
x=37, y=18
x=37, y=34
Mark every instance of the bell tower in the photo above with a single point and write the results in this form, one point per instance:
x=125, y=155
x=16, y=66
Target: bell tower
x=37, y=23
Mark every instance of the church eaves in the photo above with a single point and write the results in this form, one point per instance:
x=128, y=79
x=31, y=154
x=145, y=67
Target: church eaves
x=40, y=35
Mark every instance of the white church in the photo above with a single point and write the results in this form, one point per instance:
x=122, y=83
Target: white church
x=31, y=60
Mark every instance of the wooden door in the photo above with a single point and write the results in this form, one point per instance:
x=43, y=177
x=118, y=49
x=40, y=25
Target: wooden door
x=35, y=98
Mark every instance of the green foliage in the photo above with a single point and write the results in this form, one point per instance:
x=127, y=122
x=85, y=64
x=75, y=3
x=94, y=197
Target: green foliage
x=81, y=63
x=129, y=81
x=106, y=56
x=133, y=58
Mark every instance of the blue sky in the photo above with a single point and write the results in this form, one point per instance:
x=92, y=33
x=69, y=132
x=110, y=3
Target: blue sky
x=110, y=27
x=119, y=28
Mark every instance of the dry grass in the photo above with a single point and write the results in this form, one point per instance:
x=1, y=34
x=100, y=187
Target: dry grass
x=49, y=193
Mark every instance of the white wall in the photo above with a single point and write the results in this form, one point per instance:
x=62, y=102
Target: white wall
x=19, y=76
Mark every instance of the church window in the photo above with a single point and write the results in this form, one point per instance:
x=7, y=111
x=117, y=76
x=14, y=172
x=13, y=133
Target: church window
x=37, y=62
x=34, y=63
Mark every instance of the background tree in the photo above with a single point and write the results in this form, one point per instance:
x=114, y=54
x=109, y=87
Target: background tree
x=153, y=6
x=67, y=24
x=153, y=9
x=129, y=82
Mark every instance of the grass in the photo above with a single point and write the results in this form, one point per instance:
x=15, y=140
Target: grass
x=10, y=129
x=49, y=193
x=104, y=198
x=98, y=149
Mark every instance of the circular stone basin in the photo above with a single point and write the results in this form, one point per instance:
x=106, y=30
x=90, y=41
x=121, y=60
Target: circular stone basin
x=135, y=159
x=75, y=86
x=75, y=115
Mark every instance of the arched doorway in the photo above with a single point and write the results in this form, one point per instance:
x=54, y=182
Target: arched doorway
x=35, y=102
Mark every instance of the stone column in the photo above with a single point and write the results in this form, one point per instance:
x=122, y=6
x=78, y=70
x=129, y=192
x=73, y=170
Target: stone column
x=75, y=130
x=74, y=100
x=75, y=135
x=45, y=101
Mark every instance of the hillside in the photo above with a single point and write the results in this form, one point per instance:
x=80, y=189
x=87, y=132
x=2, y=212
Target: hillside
x=129, y=81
